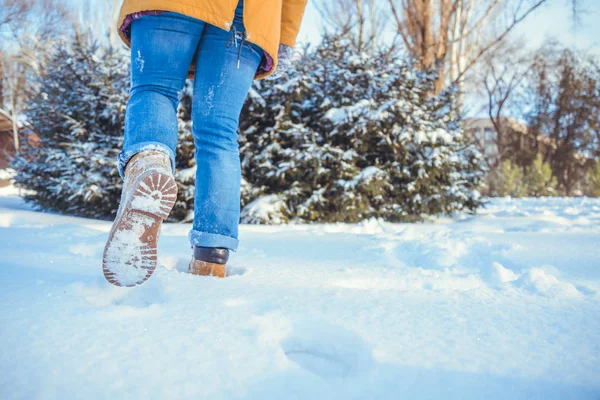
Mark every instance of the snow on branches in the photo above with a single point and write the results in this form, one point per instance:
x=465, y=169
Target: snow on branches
x=342, y=137
x=348, y=136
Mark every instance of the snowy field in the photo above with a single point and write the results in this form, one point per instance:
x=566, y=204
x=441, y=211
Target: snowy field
x=504, y=305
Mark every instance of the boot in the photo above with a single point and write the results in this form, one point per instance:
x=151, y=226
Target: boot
x=149, y=193
x=209, y=261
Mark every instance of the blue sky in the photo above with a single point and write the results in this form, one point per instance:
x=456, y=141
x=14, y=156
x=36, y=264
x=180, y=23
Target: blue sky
x=553, y=20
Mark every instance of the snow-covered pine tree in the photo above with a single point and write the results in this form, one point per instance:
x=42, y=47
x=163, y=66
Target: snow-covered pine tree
x=348, y=136
x=78, y=113
x=344, y=137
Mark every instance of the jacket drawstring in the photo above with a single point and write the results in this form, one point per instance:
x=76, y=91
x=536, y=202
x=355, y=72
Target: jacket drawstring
x=233, y=40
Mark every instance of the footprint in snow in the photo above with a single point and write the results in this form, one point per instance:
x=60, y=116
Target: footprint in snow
x=326, y=350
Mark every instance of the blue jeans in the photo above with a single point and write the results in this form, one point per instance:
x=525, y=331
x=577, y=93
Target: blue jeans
x=162, y=48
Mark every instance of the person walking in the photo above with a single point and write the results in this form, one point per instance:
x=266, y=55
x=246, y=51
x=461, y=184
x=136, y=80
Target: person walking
x=222, y=45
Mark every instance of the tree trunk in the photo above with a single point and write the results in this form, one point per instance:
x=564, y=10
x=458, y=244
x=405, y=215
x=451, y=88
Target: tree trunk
x=460, y=59
x=361, y=24
x=427, y=42
x=456, y=32
x=1, y=87
x=15, y=129
x=445, y=16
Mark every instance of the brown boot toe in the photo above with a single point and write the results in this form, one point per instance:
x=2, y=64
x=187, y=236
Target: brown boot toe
x=204, y=268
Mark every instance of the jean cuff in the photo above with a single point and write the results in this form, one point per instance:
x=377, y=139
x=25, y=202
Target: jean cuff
x=131, y=151
x=205, y=239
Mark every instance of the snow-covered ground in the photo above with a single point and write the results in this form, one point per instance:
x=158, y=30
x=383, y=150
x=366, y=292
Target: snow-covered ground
x=504, y=305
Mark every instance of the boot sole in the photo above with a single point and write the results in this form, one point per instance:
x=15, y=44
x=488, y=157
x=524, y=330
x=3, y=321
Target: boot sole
x=131, y=253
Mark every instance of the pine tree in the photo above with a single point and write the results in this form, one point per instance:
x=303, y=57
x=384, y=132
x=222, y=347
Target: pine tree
x=348, y=136
x=508, y=180
x=593, y=180
x=79, y=115
x=343, y=137
x=539, y=179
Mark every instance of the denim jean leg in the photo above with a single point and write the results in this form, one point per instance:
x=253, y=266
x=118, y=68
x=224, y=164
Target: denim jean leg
x=220, y=88
x=162, y=49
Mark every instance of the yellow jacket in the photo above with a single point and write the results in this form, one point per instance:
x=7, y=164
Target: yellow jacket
x=268, y=23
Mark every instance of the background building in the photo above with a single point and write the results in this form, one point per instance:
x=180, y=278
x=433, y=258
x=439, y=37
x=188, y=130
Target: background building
x=516, y=142
x=7, y=143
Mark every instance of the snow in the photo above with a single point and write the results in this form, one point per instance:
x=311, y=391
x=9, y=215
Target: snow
x=344, y=114
x=126, y=249
x=502, y=305
x=267, y=209
x=156, y=197
x=498, y=274
x=148, y=202
x=539, y=282
x=365, y=176
x=187, y=175
x=7, y=174
x=9, y=190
